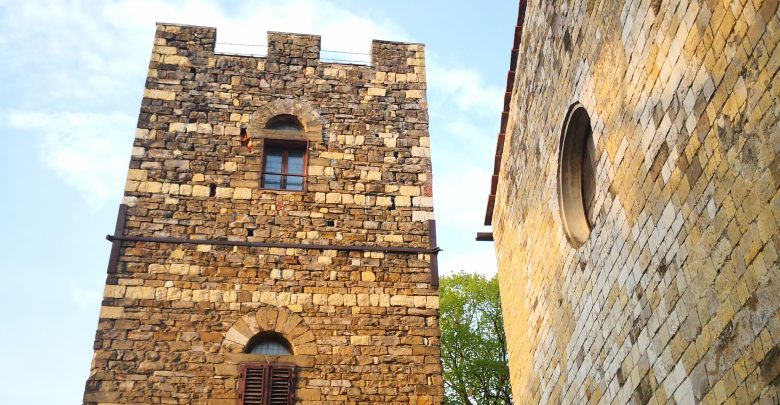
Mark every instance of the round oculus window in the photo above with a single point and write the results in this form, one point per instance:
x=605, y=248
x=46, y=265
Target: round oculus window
x=577, y=176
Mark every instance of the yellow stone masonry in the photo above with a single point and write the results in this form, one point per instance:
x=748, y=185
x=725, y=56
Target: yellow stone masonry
x=177, y=318
x=675, y=295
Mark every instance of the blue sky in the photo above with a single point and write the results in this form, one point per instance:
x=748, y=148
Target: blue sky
x=72, y=78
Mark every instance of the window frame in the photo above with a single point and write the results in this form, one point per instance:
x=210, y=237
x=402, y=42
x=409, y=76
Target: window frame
x=286, y=146
x=572, y=169
x=266, y=388
x=268, y=336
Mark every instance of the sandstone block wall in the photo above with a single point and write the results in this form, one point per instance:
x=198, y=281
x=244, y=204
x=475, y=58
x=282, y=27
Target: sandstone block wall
x=175, y=317
x=674, y=298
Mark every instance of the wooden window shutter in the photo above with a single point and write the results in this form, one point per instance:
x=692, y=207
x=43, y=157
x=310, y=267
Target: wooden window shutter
x=281, y=388
x=266, y=384
x=252, y=386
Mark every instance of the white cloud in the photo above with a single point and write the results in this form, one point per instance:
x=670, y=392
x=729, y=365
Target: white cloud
x=461, y=135
x=466, y=89
x=460, y=194
x=465, y=115
x=91, y=57
x=89, y=62
x=85, y=299
x=339, y=28
x=87, y=151
x=95, y=52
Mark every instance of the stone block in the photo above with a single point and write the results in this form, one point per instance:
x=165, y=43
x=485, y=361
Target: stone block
x=143, y=293
x=137, y=174
x=403, y=201
x=224, y=192
x=200, y=191
x=376, y=91
x=159, y=94
x=241, y=193
x=360, y=340
x=114, y=291
x=336, y=300
x=176, y=60
x=409, y=190
x=320, y=299
x=384, y=201
x=177, y=127
x=393, y=238
x=149, y=187
x=401, y=301
x=333, y=198
x=111, y=312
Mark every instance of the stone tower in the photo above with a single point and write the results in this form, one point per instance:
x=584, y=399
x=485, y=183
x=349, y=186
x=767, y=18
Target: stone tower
x=636, y=202
x=276, y=241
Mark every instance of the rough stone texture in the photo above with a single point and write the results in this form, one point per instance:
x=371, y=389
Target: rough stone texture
x=363, y=325
x=674, y=298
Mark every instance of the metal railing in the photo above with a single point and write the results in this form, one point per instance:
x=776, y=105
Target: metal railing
x=365, y=58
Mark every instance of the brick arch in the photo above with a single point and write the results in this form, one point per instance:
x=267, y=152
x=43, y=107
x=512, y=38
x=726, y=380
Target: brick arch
x=309, y=116
x=269, y=319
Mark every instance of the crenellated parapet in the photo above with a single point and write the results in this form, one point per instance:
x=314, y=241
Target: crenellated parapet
x=189, y=45
x=184, y=41
x=293, y=49
x=398, y=57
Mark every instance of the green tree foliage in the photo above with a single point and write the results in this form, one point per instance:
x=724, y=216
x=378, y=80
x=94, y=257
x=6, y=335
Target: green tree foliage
x=473, y=344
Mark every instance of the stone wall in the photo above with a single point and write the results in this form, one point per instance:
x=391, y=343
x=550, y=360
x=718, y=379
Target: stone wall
x=363, y=325
x=674, y=297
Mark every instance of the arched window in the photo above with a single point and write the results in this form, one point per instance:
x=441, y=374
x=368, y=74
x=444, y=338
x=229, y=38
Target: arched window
x=270, y=343
x=577, y=176
x=284, y=122
x=267, y=384
x=284, y=161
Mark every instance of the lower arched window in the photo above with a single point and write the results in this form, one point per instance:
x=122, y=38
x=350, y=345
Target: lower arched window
x=267, y=383
x=270, y=343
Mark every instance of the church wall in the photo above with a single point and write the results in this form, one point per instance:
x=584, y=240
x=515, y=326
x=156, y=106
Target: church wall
x=674, y=297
